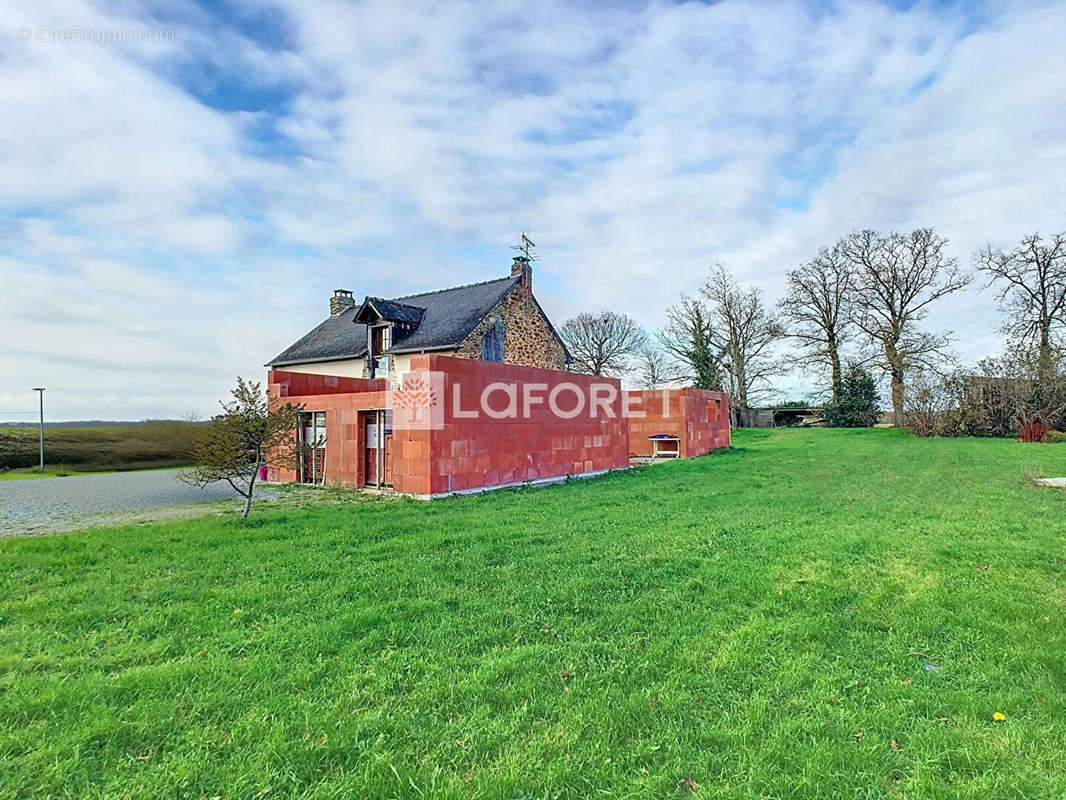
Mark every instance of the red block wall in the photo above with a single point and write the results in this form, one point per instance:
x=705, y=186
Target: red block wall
x=291, y=384
x=698, y=416
x=341, y=399
x=485, y=452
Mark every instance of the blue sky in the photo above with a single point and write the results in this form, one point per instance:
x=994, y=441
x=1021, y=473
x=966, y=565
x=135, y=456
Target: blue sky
x=181, y=186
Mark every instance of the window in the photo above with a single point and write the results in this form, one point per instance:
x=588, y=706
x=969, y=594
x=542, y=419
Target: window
x=314, y=425
x=492, y=343
x=313, y=435
x=381, y=341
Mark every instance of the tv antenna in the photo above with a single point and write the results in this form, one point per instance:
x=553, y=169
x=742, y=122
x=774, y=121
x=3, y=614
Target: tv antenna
x=526, y=247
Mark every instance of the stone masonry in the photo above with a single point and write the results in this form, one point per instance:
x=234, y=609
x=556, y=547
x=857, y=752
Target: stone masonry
x=529, y=340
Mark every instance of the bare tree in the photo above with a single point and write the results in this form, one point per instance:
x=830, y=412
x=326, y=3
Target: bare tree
x=247, y=435
x=1031, y=280
x=897, y=277
x=743, y=334
x=688, y=340
x=604, y=343
x=653, y=367
x=818, y=313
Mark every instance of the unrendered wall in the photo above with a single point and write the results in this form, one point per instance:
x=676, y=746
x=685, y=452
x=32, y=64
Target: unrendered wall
x=478, y=441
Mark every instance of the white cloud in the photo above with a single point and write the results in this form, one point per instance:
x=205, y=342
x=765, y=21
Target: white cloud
x=174, y=213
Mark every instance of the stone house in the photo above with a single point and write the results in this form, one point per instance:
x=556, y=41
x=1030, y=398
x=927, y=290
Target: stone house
x=497, y=321
x=464, y=351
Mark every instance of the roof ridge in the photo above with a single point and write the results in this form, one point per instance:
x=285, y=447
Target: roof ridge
x=451, y=288
x=397, y=302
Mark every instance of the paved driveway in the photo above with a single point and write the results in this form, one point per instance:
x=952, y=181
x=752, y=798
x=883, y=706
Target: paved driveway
x=42, y=504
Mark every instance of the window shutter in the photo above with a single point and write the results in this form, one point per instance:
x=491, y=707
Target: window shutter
x=492, y=344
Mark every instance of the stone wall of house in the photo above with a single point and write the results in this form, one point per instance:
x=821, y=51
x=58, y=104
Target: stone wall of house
x=528, y=338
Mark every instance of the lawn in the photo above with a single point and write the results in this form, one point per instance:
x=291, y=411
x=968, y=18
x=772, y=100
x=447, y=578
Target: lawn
x=815, y=613
x=27, y=474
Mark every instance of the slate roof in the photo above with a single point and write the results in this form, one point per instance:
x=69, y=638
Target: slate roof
x=447, y=317
x=335, y=337
x=392, y=310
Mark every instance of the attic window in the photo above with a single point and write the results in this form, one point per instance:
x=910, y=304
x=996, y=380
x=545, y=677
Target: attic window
x=382, y=339
x=492, y=344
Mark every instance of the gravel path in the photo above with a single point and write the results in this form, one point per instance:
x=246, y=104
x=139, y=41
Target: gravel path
x=42, y=505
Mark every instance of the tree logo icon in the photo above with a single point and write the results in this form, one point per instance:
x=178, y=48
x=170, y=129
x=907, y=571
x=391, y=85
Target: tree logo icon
x=416, y=403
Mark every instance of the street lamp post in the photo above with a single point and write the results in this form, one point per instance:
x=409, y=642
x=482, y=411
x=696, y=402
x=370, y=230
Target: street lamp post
x=40, y=391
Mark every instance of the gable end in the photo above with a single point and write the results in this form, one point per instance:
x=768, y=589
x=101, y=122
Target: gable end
x=529, y=340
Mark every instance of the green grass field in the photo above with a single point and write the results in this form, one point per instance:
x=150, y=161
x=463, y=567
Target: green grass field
x=756, y=623
x=68, y=450
x=27, y=474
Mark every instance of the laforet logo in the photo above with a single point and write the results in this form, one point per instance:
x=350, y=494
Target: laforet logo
x=419, y=398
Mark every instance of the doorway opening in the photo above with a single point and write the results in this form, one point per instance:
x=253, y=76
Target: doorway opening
x=377, y=454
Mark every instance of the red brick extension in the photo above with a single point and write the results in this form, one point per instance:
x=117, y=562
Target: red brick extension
x=472, y=454
x=699, y=417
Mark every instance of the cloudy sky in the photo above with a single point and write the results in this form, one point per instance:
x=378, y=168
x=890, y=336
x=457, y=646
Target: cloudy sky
x=182, y=186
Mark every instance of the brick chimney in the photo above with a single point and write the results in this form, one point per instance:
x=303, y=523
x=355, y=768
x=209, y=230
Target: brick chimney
x=523, y=266
x=342, y=299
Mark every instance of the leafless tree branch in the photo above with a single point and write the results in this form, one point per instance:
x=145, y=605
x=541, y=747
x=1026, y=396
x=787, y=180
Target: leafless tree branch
x=818, y=311
x=1031, y=288
x=604, y=343
x=743, y=333
x=897, y=277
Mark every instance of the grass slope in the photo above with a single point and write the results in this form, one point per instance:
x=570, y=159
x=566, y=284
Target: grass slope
x=757, y=620
x=137, y=445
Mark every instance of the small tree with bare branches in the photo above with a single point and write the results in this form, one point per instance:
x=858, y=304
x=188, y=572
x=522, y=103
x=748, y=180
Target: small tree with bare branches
x=247, y=435
x=1031, y=285
x=818, y=313
x=743, y=333
x=936, y=404
x=653, y=367
x=604, y=343
x=897, y=277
